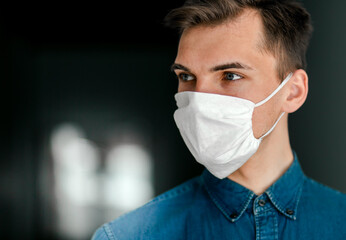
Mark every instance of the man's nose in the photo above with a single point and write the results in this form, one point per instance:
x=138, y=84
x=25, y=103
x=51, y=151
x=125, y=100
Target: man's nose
x=205, y=86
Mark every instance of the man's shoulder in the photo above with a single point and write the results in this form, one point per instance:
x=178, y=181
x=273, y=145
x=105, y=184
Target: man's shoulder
x=324, y=199
x=317, y=188
x=167, y=209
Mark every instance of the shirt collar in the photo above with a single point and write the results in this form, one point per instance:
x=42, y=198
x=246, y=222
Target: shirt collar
x=232, y=199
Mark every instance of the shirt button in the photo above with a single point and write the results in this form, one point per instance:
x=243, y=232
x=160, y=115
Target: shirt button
x=234, y=215
x=261, y=202
x=289, y=212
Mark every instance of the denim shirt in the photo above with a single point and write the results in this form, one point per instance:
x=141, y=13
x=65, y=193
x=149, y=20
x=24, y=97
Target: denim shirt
x=294, y=207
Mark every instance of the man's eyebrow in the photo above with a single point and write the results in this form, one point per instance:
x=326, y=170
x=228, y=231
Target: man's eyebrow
x=177, y=66
x=237, y=65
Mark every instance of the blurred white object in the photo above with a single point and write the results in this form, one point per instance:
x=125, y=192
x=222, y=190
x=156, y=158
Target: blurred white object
x=87, y=193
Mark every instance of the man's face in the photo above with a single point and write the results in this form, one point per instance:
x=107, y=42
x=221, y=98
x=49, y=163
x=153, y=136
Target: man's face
x=227, y=59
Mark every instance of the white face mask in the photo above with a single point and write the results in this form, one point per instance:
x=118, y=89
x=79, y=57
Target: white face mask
x=217, y=129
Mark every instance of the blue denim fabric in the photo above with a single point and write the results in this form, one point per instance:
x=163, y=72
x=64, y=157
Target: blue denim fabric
x=294, y=207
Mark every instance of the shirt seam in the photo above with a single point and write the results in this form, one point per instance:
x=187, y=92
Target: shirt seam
x=223, y=209
x=175, y=192
x=296, y=200
x=245, y=204
x=299, y=195
x=216, y=203
x=326, y=187
x=109, y=232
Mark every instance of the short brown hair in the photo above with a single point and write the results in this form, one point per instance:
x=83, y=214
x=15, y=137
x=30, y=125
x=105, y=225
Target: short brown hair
x=287, y=25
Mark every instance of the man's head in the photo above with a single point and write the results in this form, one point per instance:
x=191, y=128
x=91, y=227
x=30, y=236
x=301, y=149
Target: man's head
x=243, y=48
x=286, y=25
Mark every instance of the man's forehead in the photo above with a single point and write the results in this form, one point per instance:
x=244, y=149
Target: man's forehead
x=237, y=40
x=222, y=44
x=247, y=19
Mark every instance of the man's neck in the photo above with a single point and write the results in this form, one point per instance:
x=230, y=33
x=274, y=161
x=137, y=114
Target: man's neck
x=272, y=159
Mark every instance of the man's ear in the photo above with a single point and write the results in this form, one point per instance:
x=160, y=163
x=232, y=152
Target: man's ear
x=297, y=91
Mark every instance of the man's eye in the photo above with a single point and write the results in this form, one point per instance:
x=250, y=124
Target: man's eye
x=185, y=77
x=231, y=76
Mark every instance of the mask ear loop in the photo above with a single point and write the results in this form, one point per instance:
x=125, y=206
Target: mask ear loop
x=269, y=97
x=270, y=130
x=276, y=90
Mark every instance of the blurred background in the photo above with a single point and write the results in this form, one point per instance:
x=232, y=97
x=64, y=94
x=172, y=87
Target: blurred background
x=87, y=129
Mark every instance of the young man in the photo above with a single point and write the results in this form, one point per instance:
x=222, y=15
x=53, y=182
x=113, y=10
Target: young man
x=240, y=66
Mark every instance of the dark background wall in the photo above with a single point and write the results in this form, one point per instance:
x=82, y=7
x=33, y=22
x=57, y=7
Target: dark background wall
x=106, y=69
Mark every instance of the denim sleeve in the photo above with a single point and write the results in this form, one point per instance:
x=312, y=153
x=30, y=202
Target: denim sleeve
x=103, y=233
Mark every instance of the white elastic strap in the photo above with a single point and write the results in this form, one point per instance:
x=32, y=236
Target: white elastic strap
x=276, y=90
x=270, y=130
